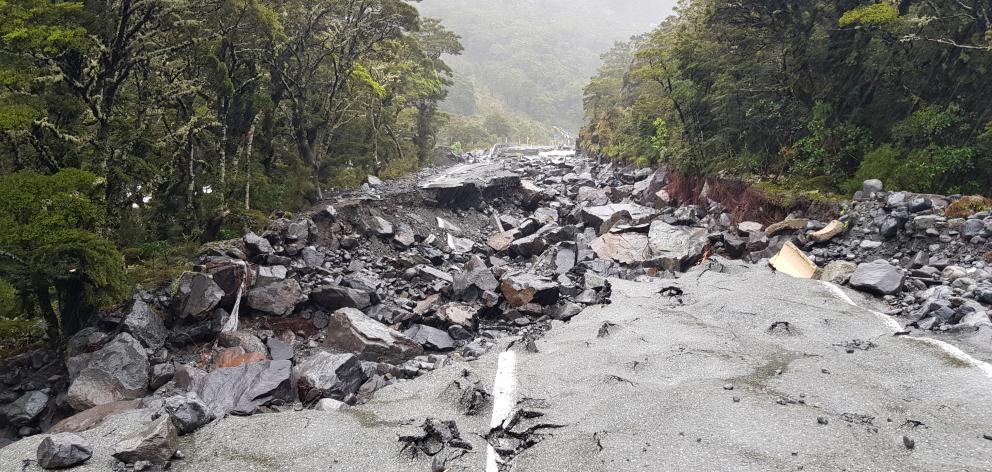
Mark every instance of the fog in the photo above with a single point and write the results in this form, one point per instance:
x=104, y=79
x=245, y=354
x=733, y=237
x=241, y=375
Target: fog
x=529, y=59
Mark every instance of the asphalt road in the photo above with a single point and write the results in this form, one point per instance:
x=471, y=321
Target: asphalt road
x=645, y=384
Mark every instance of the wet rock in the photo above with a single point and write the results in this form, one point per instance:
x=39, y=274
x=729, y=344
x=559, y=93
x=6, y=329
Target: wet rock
x=431, y=338
x=277, y=298
x=333, y=297
x=524, y=288
x=350, y=330
x=187, y=412
x=328, y=375
x=63, y=450
x=118, y=371
x=26, y=408
x=878, y=277
x=156, y=443
x=146, y=325
x=243, y=389
x=675, y=248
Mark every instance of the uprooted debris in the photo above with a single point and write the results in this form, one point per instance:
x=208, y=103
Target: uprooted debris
x=522, y=430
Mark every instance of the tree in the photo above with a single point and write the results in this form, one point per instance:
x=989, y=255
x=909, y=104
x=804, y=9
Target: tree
x=50, y=247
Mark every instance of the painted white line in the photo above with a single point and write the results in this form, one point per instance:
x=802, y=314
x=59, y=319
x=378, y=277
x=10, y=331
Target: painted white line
x=504, y=386
x=950, y=349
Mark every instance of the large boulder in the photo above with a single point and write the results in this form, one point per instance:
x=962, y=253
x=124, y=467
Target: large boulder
x=277, y=298
x=26, y=408
x=203, y=296
x=328, y=375
x=675, y=248
x=188, y=412
x=63, y=450
x=838, y=272
x=333, y=297
x=146, y=325
x=118, y=371
x=473, y=281
x=625, y=248
x=350, y=330
x=156, y=443
x=243, y=389
x=521, y=289
x=878, y=277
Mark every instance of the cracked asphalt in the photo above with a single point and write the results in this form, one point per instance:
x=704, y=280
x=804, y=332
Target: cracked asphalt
x=746, y=370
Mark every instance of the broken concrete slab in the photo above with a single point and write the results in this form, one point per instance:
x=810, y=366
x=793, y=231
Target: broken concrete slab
x=793, y=261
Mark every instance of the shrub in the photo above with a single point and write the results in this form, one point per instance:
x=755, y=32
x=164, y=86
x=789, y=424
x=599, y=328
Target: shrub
x=967, y=206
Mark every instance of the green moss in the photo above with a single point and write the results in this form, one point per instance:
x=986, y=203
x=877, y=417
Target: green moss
x=786, y=195
x=157, y=264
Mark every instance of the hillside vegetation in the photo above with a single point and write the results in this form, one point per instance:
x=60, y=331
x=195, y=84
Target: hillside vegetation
x=822, y=94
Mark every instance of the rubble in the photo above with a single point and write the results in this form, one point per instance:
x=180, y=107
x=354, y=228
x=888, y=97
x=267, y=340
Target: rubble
x=350, y=330
x=117, y=371
x=63, y=450
x=156, y=443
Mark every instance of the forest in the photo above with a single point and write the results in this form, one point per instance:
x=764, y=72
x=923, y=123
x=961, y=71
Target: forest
x=131, y=130
x=818, y=95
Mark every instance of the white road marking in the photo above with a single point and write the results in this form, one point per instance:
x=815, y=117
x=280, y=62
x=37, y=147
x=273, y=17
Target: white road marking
x=504, y=386
x=950, y=349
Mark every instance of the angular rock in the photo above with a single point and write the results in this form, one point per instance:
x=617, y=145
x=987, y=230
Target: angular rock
x=161, y=374
x=243, y=389
x=156, y=443
x=118, y=371
x=146, y=325
x=521, y=289
x=457, y=313
x=675, y=248
x=872, y=186
x=625, y=248
x=280, y=350
x=460, y=245
x=404, y=236
x=188, y=412
x=878, y=277
x=431, y=338
x=501, y=241
x=595, y=216
x=328, y=375
x=350, y=330
x=236, y=356
x=333, y=297
x=257, y=245
x=204, y=295
x=277, y=298
x=26, y=408
x=63, y=450
x=269, y=274
x=474, y=280
x=838, y=272
x=529, y=246
x=94, y=417
x=247, y=341
x=380, y=226
x=447, y=225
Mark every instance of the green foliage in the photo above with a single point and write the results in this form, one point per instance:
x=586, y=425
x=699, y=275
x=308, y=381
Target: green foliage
x=156, y=264
x=777, y=89
x=49, y=245
x=878, y=14
x=18, y=335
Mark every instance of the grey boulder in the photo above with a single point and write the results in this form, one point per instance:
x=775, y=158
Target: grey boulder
x=878, y=277
x=204, y=295
x=63, y=450
x=243, y=389
x=277, y=298
x=333, y=297
x=328, y=375
x=118, y=371
x=146, y=325
x=26, y=408
x=156, y=443
x=188, y=412
x=350, y=330
x=431, y=338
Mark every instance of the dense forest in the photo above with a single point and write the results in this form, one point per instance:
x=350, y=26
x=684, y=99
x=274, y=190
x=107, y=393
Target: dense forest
x=816, y=94
x=135, y=127
x=526, y=61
